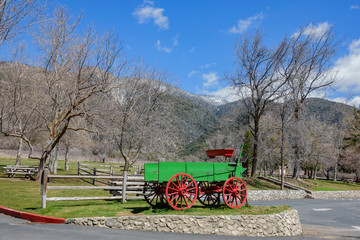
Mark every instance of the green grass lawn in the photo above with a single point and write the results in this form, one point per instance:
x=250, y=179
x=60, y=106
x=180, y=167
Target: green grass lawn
x=24, y=195
x=328, y=185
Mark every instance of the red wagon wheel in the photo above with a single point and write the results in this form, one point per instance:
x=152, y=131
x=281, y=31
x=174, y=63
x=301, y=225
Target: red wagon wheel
x=154, y=193
x=206, y=195
x=181, y=191
x=234, y=192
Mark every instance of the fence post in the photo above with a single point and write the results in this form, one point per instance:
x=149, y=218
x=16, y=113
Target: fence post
x=111, y=170
x=94, y=175
x=139, y=169
x=44, y=182
x=78, y=168
x=123, y=194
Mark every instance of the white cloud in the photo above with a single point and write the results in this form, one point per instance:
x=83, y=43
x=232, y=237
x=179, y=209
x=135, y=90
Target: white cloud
x=207, y=65
x=161, y=48
x=244, y=25
x=192, y=50
x=314, y=30
x=211, y=79
x=348, y=69
x=228, y=93
x=354, y=7
x=192, y=73
x=147, y=12
x=176, y=40
x=355, y=101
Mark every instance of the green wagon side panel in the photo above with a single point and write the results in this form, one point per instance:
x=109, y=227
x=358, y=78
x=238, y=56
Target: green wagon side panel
x=239, y=171
x=151, y=172
x=200, y=171
x=222, y=171
x=169, y=169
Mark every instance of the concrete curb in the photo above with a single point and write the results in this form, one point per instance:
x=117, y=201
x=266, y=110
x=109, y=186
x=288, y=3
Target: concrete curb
x=30, y=216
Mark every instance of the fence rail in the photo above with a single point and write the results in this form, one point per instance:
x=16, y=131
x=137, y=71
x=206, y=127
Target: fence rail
x=134, y=186
x=90, y=169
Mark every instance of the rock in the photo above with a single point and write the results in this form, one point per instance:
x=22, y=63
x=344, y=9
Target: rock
x=283, y=224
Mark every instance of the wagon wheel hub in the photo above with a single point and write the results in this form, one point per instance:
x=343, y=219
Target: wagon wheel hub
x=235, y=192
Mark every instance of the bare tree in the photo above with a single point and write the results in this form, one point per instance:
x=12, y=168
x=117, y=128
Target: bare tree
x=17, y=15
x=285, y=116
x=349, y=159
x=307, y=69
x=77, y=68
x=257, y=79
x=135, y=113
x=16, y=119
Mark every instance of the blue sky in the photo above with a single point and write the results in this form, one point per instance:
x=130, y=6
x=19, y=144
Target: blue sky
x=193, y=40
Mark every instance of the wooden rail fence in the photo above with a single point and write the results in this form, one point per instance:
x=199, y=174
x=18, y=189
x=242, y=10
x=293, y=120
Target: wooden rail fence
x=90, y=169
x=134, y=187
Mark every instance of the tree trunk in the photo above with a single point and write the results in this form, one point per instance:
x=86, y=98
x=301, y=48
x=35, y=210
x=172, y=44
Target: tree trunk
x=261, y=168
x=67, y=149
x=327, y=175
x=42, y=164
x=255, y=149
x=125, y=174
x=18, y=155
x=265, y=167
x=51, y=162
x=335, y=171
x=56, y=155
x=297, y=154
x=282, y=158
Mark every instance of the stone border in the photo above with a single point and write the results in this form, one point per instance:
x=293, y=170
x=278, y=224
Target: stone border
x=260, y=195
x=335, y=194
x=280, y=224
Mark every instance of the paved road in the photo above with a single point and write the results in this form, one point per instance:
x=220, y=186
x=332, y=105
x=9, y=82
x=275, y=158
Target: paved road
x=321, y=219
x=325, y=219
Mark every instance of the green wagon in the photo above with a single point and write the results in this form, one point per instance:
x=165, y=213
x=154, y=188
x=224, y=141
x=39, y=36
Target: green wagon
x=181, y=183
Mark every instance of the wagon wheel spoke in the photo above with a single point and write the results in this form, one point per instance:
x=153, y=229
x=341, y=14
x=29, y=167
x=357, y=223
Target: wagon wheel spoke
x=174, y=198
x=184, y=197
x=173, y=193
x=234, y=192
x=153, y=193
x=187, y=179
x=181, y=191
x=236, y=200
x=173, y=189
x=239, y=198
x=152, y=199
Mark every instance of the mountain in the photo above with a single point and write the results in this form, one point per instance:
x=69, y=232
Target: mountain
x=221, y=120
x=194, y=123
x=214, y=100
